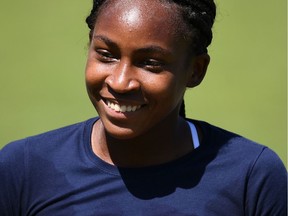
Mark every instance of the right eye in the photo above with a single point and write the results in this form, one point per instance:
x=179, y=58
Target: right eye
x=105, y=56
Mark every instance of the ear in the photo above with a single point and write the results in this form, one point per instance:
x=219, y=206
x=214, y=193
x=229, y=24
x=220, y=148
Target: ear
x=198, y=69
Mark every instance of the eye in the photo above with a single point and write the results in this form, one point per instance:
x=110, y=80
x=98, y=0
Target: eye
x=104, y=55
x=153, y=65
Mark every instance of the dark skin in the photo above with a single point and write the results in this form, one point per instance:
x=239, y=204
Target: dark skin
x=137, y=72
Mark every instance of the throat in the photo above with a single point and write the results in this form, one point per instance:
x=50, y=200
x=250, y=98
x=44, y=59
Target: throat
x=154, y=148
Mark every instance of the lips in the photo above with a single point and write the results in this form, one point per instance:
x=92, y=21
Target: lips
x=122, y=108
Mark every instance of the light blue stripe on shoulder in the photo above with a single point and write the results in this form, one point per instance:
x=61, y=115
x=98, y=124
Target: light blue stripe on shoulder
x=194, y=135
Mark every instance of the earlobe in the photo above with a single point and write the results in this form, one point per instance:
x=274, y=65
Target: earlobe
x=198, y=69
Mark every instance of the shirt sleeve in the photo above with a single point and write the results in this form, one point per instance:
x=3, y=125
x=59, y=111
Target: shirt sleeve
x=12, y=178
x=267, y=186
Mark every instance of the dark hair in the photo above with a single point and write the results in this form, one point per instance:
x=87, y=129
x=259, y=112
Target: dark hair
x=198, y=14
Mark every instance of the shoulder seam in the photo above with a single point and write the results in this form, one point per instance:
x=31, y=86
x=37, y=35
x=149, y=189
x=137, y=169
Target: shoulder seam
x=255, y=161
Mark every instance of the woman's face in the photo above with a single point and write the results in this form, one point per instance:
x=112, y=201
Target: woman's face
x=138, y=67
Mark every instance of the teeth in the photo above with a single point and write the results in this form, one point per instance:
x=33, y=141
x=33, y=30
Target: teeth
x=122, y=108
x=129, y=109
x=116, y=107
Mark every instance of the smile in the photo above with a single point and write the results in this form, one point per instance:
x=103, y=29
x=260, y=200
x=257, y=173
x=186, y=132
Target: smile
x=122, y=108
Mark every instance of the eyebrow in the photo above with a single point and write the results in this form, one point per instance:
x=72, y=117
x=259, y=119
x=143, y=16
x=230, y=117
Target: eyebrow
x=148, y=49
x=154, y=49
x=105, y=40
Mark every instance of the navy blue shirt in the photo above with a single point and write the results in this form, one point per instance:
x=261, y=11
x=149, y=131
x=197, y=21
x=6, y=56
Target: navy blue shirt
x=57, y=173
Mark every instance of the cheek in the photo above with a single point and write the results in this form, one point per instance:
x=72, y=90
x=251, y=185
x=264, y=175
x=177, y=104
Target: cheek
x=163, y=88
x=94, y=73
x=172, y=92
x=92, y=78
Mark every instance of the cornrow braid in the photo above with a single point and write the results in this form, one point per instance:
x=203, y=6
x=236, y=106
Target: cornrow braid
x=91, y=19
x=200, y=16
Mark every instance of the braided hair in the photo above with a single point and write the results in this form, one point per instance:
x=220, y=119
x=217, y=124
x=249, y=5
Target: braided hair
x=199, y=16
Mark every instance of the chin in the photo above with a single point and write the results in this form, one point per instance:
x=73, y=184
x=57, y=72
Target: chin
x=122, y=133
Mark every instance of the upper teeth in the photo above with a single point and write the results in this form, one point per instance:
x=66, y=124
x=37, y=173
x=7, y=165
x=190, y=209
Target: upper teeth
x=123, y=108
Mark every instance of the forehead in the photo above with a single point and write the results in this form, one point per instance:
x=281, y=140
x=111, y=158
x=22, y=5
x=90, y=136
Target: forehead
x=137, y=14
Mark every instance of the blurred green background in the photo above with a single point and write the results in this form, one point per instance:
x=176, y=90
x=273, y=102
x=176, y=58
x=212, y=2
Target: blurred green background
x=43, y=47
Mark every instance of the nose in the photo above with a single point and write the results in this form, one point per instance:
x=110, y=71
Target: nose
x=123, y=78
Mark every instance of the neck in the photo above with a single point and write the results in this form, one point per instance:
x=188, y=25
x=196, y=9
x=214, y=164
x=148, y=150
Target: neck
x=167, y=141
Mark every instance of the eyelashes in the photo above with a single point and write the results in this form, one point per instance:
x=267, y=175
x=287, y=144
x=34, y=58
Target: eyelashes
x=144, y=61
x=153, y=65
x=105, y=56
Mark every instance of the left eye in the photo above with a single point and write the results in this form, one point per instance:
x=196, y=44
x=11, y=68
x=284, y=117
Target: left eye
x=153, y=65
x=105, y=56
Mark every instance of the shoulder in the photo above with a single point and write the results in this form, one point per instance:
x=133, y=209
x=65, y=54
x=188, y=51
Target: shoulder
x=239, y=154
x=43, y=142
x=234, y=145
x=62, y=133
x=28, y=161
x=12, y=175
x=227, y=142
x=11, y=154
x=267, y=185
x=17, y=156
x=257, y=168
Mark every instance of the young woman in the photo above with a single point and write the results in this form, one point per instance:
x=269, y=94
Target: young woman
x=141, y=156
